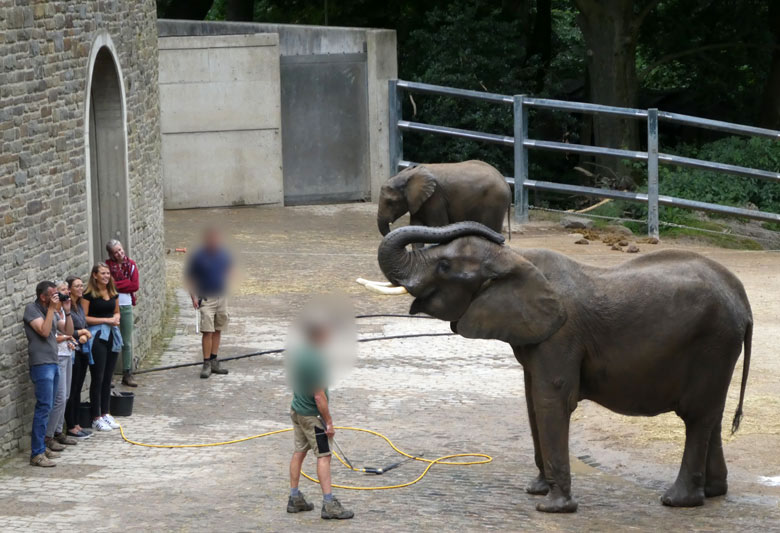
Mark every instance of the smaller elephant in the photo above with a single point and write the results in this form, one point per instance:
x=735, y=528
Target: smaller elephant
x=444, y=193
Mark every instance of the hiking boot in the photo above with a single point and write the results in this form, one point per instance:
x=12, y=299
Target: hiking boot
x=128, y=379
x=216, y=369
x=53, y=445
x=298, y=503
x=206, y=370
x=333, y=510
x=67, y=440
x=42, y=460
x=50, y=454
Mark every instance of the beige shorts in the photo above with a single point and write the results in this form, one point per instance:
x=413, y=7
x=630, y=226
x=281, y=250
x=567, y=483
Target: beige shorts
x=214, y=314
x=309, y=435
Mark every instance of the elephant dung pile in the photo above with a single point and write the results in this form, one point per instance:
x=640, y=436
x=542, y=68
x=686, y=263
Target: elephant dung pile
x=616, y=237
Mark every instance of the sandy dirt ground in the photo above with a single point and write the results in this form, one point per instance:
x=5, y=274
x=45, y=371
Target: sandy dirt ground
x=431, y=395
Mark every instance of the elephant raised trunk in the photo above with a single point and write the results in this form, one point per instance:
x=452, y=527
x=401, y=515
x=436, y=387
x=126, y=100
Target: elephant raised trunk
x=397, y=263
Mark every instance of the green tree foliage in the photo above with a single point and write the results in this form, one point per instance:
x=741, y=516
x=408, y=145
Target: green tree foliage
x=714, y=58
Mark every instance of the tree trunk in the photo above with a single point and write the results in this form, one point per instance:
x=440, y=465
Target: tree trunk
x=610, y=30
x=770, y=102
x=186, y=9
x=541, y=41
x=240, y=10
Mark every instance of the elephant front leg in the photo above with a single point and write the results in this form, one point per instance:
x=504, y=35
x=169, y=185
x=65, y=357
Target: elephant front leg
x=538, y=486
x=552, y=413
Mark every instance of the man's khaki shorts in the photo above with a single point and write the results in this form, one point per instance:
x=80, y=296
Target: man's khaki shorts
x=213, y=314
x=310, y=435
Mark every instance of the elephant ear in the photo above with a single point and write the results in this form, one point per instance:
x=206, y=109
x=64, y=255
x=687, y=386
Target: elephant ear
x=518, y=306
x=419, y=188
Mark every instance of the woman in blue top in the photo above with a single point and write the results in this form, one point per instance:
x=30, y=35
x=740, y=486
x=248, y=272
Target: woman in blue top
x=101, y=309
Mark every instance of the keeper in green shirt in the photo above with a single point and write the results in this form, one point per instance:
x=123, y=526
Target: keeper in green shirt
x=309, y=413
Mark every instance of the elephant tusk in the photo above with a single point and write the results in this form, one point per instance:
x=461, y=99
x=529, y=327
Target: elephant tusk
x=386, y=290
x=382, y=287
x=366, y=282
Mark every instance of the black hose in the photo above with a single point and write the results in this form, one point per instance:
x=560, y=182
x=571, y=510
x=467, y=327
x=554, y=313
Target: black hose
x=280, y=350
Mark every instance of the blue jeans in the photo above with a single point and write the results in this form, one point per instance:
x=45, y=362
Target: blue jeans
x=45, y=379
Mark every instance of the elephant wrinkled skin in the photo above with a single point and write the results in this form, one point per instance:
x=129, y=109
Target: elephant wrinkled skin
x=443, y=193
x=661, y=332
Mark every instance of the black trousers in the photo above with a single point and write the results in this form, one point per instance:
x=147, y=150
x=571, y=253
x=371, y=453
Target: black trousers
x=100, y=374
x=80, y=365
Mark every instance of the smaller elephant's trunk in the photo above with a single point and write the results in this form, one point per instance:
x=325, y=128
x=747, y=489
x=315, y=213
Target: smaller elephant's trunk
x=396, y=263
x=384, y=226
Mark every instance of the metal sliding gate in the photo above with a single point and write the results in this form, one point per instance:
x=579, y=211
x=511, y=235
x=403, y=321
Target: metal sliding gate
x=522, y=144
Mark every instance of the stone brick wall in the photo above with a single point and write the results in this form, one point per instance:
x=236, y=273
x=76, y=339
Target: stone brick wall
x=44, y=55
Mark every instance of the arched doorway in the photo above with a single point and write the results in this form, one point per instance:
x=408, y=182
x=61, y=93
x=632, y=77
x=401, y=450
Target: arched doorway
x=105, y=131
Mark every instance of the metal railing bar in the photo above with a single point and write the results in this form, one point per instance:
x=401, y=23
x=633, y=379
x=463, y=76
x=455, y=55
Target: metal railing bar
x=584, y=149
x=718, y=125
x=581, y=107
x=427, y=88
x=456, y=132
x=670, y=159
x=642, y=198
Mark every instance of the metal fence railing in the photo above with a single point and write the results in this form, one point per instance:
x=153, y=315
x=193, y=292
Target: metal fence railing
x=522, y=144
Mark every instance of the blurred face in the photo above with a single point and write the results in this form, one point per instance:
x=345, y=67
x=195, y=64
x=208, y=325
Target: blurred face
x=62, y=288
x=102, y=276
x=118, y=253
x=77, y=289
x=212, y=239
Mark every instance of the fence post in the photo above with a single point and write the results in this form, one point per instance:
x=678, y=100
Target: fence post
x=521, y=159
x=652, y=172
x=395, y=135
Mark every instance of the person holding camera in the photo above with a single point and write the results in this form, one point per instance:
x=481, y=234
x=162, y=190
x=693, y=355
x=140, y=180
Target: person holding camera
x=81, y=360
x=101, y=309
x=40, y=329
x=124, y=272
x=55, y=438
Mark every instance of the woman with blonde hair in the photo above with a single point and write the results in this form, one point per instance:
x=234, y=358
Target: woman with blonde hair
x=101, y=309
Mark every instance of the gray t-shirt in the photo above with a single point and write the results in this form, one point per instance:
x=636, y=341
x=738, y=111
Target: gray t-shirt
x=41, y=350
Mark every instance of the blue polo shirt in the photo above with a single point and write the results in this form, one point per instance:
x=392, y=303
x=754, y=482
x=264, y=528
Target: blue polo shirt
x=208, y=271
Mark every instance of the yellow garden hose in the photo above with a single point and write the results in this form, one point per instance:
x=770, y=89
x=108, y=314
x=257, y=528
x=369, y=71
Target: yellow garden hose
x=440, y=461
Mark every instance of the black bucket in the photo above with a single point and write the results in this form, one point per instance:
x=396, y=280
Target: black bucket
x=122, y=403
x=84, y=415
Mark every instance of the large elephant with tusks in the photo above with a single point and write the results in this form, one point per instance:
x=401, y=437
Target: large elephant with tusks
x=661, y=332
x=443, y=193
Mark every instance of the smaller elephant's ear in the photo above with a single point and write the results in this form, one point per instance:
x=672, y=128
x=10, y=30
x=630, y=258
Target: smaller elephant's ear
x=419, y=188
x=518, y=306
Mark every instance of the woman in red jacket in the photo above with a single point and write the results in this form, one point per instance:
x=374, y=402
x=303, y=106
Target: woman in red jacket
x=124, y=271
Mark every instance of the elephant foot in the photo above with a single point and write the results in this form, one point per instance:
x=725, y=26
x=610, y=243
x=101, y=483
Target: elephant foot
x=538, y=486
x=716, y=488
x=557, y=504
x=680, y=496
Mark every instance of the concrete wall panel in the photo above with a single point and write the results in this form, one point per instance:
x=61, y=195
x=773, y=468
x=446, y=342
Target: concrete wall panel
x=220, y=118
x=236, y=161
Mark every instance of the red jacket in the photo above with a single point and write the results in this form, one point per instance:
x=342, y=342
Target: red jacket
x=125, y=276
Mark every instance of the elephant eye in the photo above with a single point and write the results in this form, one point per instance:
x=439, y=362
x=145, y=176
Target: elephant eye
x=443, y=267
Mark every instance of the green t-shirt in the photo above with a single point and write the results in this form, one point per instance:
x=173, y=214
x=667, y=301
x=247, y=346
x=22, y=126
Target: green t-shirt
x=308, y=376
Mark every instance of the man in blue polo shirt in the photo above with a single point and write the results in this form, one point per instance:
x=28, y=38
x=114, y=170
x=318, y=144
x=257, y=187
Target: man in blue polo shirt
x=207, y=277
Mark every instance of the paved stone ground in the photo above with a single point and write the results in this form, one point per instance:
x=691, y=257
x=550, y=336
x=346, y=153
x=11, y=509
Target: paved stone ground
x=434, y=396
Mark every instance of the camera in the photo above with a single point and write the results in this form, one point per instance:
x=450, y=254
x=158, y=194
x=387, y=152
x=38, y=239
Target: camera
x=64, y=297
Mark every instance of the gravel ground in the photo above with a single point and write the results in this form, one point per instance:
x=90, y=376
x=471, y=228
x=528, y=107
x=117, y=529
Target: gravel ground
x=432, y=396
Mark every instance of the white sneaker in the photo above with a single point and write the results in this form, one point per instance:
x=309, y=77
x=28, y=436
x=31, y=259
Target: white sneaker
x=110, y=421
x=100, y=425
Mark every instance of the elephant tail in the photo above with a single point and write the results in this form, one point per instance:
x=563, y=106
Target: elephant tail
x=509, y=220
x=745, y=369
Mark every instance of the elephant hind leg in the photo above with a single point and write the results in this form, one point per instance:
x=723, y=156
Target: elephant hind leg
x=715, y=483
x=537, y=486
x=688, y=488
